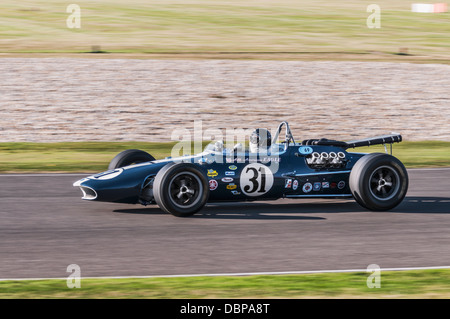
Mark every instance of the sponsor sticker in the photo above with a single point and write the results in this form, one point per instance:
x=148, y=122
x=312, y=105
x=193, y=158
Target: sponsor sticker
x=317, y=186
x=288, y=183
x=295, y=184
x=232, y=167
x=212, y=173
x=307, y=187
x=305, y=150
x=325, y=185
x=227, y=179
x=231, y=186
x=230, y=173
x=333, y=185
x=341, y=185
x=267, y=159
x=264, y=159
x=235, y=192
x=213, y=184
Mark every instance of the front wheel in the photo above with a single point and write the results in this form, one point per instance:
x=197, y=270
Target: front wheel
x=130, y=157
x=378, y=181
x=181, y=189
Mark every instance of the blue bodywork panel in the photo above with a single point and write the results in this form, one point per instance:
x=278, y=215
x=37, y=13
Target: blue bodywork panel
x=281, y=172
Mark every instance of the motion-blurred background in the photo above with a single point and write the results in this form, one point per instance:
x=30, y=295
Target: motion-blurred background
x=219, y=26
x=134, y=71
x=267, y=61
x=138, y=70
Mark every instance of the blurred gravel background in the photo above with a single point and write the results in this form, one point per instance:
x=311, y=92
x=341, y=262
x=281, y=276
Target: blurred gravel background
x=68, y=99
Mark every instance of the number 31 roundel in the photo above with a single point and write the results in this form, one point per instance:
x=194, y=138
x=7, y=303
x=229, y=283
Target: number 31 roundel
x=256, y=179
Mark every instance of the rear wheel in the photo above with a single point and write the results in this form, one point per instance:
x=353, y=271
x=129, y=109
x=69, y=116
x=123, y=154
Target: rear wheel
x=130, y=157
x=379, y=181
x=181, y=189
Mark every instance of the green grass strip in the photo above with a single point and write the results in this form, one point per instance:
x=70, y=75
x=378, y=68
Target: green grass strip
x=90, y=157
x=393, y=284
x=204, y=26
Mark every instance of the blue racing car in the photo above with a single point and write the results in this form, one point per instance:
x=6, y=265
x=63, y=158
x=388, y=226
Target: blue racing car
x=267, y=170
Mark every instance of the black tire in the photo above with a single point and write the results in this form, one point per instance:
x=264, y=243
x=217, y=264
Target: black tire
x=181, y=189
x=378, y=181
x=130, y=157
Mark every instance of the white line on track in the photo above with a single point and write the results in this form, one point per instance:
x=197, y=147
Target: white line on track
x=238, y=274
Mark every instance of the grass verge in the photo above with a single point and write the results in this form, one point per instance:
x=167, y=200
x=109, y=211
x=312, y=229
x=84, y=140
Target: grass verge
x=87, y=157
x=393, y=284
x=222, y=26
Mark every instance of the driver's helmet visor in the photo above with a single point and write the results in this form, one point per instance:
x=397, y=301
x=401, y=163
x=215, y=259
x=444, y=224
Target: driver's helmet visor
x=254, y=139
x=260, y=139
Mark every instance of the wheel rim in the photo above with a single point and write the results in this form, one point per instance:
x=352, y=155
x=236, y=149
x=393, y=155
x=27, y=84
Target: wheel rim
x=384, y=183
x=185, y=189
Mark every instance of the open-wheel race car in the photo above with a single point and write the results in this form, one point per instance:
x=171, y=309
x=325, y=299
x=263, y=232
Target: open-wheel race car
x=267, y=170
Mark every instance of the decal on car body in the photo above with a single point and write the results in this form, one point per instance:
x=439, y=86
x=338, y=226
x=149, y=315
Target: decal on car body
x=256, y=179
x=213, y=184
x=305, y=150
x=212, y=173
x=307, y=187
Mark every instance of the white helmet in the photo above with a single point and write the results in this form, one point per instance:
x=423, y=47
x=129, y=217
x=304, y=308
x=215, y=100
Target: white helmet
x=260, y=140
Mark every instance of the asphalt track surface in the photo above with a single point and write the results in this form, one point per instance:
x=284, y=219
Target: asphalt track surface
x=45, y=226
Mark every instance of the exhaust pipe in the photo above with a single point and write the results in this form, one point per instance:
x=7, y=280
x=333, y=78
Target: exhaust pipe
x=324, y=156
x=315, y=158
x=334, y=159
